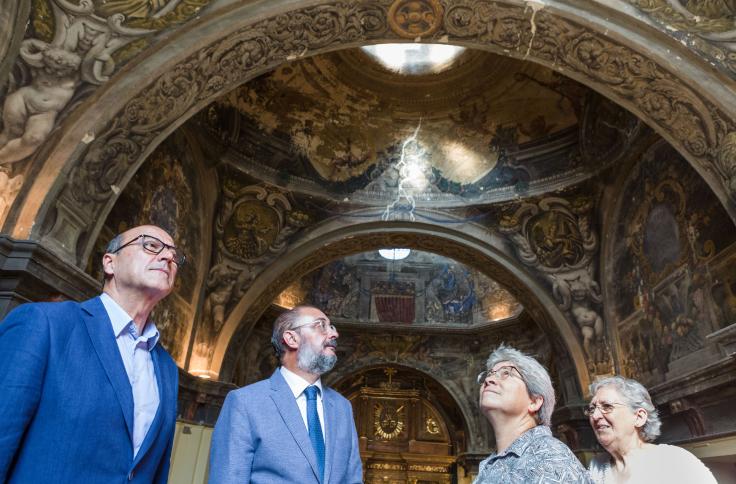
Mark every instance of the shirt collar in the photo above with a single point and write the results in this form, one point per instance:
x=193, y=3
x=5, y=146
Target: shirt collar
x=296, y=383
x=121, y=321
x=518, y=446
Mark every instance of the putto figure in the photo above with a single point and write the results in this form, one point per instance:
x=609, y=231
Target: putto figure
x=89, y=394
x=272, y=431
x=517, y=398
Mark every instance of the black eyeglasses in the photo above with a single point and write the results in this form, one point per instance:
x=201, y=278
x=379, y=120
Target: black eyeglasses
x=604, y=407
x=502, y=374
x=154, y=246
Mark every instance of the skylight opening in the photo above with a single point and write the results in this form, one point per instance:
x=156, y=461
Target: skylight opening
x=415, y=59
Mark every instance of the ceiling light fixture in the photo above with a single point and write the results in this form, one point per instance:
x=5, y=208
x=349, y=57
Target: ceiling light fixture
x=394, y=254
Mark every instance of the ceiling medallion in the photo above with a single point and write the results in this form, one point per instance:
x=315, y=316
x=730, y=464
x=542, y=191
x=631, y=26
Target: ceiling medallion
x=412, y=19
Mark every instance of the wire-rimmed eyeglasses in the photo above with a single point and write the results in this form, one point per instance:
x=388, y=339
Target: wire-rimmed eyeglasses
x=322, y=324
x=501, y=373
x=604, y=407
x=154, y=245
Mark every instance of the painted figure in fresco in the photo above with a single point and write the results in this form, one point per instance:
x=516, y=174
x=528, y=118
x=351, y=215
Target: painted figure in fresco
x=350, y=305
x=450, y=296
x=89, y=394
x=272, y=430
x=30, y=112
x=517, y=398
x=626, y=423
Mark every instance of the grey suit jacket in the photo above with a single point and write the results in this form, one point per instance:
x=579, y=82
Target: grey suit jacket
x=260, y=438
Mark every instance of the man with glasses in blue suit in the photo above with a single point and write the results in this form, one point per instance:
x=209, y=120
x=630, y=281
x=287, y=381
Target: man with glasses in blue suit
x=88, y=392
x=290, y=427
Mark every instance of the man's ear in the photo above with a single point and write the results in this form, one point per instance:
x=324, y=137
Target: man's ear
x=291, y=340
x=108, y=264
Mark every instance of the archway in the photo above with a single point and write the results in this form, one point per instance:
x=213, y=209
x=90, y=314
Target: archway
x=234, y=45
x=471, y=246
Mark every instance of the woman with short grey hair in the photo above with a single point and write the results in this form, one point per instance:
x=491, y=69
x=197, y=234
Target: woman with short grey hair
x=625, y=422
x=517, y=398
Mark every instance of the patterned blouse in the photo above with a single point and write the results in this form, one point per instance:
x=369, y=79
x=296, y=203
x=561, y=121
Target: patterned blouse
x=535, y=457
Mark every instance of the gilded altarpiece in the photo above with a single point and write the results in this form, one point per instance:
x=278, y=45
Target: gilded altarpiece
x=403, y=438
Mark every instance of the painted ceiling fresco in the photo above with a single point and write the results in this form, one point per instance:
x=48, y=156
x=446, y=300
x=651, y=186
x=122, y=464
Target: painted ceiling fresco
x=345, y=124
x=422, y=289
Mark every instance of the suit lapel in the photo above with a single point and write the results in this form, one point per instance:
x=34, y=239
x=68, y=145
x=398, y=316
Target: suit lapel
x=289, y=410
x=162, y=398
x=331, y=430
x=100, y=332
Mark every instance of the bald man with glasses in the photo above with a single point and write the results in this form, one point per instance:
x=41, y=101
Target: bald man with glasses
x=290, y=427
x=88, y=392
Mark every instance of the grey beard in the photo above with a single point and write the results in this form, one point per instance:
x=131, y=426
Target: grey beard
x=315, y=363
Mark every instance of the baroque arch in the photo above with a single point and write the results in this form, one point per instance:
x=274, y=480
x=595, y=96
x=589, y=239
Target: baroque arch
x=109, y=137
x=471, y=246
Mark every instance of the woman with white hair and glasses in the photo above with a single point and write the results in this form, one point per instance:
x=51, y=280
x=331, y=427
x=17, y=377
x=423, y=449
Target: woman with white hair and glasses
x=626, y=423
x=517, y=398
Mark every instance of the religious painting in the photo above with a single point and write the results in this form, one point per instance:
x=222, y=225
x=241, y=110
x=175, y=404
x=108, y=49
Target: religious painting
x=671, y=267
x=670, y=218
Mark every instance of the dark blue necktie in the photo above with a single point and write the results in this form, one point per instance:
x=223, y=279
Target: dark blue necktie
x=315, y=428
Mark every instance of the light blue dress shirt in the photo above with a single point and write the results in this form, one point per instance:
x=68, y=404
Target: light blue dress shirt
x=136, y=354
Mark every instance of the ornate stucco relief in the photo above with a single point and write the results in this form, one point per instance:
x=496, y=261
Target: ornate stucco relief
x=707, y=26
x=72, y=44
x=252, y=227
x=554, y=238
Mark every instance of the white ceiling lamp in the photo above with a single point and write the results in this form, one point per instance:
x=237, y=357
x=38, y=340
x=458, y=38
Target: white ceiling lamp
x=394, y=254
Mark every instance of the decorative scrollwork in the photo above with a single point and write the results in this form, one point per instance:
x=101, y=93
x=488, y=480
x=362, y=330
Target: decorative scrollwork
x=706, y=25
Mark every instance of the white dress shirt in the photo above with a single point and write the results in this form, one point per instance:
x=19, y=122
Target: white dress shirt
x=297, y=385
x=136, y=354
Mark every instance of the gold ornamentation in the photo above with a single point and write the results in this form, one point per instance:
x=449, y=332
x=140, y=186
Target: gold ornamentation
x=414, y=19
x=252, y=228
x=384, y=466
x=428, y=468
x=431, y=426
x=388, y=420
x=43, y=20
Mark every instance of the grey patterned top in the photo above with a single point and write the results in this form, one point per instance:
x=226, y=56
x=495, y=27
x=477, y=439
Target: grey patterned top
x=535, y=457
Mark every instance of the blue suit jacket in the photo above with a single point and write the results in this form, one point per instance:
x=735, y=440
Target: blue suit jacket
x=67, y=404
x=260, y=438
